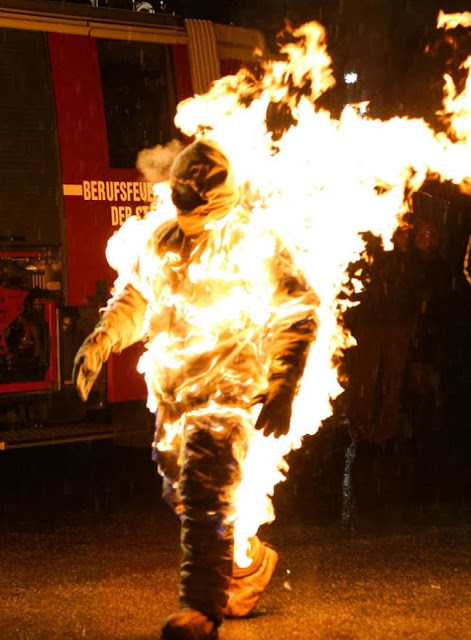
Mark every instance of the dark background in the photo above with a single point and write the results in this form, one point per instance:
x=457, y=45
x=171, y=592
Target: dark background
x=393, y=45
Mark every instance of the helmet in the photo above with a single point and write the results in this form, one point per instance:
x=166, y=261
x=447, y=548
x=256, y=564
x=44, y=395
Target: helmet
x=203, y=186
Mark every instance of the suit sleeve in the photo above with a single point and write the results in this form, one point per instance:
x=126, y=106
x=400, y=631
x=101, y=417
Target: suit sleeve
x=296, y=326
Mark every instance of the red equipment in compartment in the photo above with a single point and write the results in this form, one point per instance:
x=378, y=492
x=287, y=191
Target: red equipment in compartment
x=22, y=312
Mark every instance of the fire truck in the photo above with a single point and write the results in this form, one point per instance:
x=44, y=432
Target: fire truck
x=83, y=90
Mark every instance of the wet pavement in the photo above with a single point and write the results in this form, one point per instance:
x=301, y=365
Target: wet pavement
x=79, y=571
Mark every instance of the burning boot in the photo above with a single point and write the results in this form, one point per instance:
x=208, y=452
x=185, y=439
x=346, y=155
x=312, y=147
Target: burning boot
x=248, y=584
x=189, y=624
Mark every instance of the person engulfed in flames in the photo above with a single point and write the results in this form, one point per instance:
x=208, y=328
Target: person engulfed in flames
x=226, y=329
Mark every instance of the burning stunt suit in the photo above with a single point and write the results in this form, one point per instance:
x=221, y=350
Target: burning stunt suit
x=227, y=322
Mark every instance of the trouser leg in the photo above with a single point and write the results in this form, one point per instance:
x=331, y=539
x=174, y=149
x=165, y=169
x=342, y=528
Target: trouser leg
x=166, y=452
x=210, y=473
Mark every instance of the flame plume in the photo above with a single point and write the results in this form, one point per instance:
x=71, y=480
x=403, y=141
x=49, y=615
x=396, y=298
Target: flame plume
x=453, y=20
x=318, y=184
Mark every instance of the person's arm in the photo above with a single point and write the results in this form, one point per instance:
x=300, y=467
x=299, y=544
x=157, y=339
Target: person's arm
x=120, y=326
x=294, y=335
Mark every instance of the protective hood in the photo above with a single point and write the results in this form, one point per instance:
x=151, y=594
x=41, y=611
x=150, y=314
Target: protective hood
x=203, y=187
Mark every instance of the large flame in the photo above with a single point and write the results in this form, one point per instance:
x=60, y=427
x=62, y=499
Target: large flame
x=318, y=184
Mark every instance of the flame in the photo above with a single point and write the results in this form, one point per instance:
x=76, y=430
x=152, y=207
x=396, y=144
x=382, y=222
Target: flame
x=453, y=20
x=318, y=184
x=457, y=108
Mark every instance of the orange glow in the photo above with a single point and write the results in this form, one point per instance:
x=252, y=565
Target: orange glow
x=318, y=186
x=453, y=20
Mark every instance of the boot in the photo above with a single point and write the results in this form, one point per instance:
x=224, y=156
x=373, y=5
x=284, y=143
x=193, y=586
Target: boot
x=248, y=584
x=189, y=624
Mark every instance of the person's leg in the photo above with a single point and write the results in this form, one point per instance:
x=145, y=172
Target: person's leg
x=210, y=474
x=248, y=584
x=166, y=450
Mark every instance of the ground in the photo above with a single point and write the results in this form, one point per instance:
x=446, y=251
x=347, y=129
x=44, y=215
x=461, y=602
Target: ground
x=72, y=568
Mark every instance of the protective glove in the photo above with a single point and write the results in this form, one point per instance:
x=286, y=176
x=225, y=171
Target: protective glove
x=275, y=416
x=89, y=360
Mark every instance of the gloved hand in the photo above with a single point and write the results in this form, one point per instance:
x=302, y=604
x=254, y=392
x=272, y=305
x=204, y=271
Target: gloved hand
x=275, y=415
x=89, y=360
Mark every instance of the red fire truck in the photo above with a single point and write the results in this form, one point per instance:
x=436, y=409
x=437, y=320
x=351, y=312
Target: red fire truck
x=83, y=90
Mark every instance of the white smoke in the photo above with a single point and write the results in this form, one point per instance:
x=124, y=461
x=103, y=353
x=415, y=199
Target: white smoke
x=155, y=163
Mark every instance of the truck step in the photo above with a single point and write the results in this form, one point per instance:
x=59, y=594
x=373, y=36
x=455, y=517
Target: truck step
x=62, y=434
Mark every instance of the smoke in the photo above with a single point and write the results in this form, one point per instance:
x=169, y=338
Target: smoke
x=155, y=163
